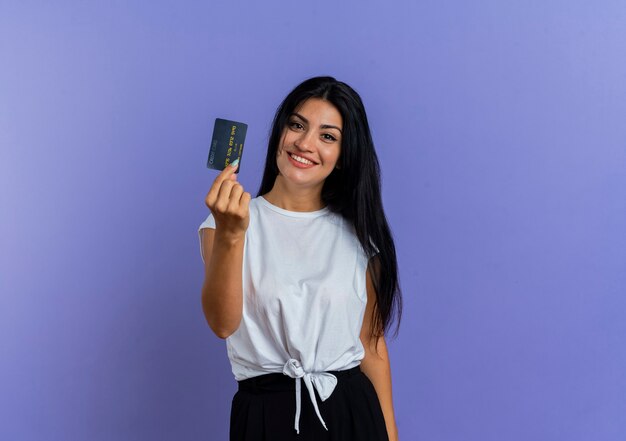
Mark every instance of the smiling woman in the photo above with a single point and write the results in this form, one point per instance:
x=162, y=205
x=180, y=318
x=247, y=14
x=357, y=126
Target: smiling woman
x=311, y=141
x=302, y=280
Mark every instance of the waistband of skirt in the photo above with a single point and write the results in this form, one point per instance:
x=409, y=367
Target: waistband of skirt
x=280, y=382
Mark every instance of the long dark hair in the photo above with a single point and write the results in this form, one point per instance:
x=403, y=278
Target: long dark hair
x=353, y=190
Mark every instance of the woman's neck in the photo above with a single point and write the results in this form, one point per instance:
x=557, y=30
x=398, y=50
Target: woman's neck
x=294, y=198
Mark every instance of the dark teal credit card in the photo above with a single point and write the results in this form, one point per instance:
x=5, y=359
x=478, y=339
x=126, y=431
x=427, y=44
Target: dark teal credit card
x=226, y=143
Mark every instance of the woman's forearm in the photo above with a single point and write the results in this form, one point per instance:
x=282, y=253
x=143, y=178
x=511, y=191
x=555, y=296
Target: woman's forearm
x=377, y=368
x=222, y=298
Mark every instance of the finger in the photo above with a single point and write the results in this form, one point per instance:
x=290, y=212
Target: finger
x=222, y=201
x=228, y=171
x=244, y=202
x=235, y=195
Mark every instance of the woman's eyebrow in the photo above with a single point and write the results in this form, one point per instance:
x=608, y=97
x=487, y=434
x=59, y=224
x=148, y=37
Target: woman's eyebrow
x=323, y=126
x=328, y=126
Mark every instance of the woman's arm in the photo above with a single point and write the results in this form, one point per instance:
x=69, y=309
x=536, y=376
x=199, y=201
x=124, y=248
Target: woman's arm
x=376, y=365
x=222, y=298
x=222, y=294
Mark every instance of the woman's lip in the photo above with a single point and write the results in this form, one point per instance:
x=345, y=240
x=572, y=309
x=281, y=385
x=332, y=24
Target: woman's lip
x=297, y=163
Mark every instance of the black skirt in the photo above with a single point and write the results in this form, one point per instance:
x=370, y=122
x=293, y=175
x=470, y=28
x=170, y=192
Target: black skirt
x=264, y=409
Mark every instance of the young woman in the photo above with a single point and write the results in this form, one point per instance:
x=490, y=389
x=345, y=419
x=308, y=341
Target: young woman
x=302, y=280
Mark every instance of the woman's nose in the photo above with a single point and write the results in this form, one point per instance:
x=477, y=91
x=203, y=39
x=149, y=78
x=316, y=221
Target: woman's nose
x=305, y=141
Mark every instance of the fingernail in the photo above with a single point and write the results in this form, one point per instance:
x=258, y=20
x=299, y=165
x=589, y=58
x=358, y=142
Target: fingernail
x=234, y=163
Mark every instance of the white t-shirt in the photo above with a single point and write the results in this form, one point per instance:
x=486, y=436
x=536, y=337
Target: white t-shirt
x=304, y=293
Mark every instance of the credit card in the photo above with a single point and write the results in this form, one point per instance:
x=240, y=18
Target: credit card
x=226, y=143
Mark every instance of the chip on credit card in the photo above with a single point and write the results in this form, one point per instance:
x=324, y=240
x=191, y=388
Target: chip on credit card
x=226, y=143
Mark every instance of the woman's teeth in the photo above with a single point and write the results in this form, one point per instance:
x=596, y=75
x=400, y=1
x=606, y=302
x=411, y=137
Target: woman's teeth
x=300, y=159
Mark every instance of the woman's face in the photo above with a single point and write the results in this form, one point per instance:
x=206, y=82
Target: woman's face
x=310, y=143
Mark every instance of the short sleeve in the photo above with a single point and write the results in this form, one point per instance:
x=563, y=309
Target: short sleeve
x=208, y=223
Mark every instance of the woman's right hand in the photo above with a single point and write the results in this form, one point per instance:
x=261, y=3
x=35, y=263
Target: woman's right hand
x=229, y=204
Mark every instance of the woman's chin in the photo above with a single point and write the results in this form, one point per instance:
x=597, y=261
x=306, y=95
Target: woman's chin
x=296, y=179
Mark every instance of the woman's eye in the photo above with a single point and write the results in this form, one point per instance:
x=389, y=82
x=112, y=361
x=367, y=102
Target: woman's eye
x=295, y=125
x=329, y=137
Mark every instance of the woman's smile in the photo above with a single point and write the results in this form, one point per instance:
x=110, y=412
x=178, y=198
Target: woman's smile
x=299, y=161
x=310, y=144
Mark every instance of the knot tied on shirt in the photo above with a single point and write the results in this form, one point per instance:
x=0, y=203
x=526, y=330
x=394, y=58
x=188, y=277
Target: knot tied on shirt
x=323, y=382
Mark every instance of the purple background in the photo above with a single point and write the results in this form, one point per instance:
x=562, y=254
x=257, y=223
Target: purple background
x=501, y=131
